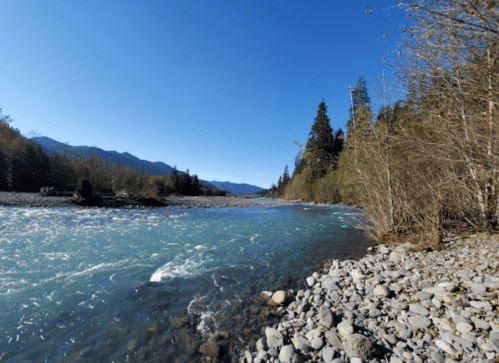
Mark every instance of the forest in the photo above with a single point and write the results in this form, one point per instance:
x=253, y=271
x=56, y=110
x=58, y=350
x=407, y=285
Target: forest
x=425, y=164
x=26, y=167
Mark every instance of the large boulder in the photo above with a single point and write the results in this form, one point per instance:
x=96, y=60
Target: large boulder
x=359, y=346
x=84, y=194
x=48, y=191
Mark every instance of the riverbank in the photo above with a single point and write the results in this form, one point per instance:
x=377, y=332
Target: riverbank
x=391, y=306
x=14, y=199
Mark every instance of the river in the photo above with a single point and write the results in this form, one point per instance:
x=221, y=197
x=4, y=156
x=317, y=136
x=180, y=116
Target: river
x=116, y=285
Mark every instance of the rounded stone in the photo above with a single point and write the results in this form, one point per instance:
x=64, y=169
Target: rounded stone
x=287, y=354
x=464, y=327
x=278, y=298
x=210, y=349
x=381, y=291
x=317, y=343
x=419, y=309
x=345, y=328
x=419, y=321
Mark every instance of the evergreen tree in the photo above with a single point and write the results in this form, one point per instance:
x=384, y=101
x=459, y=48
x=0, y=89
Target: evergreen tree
x=339, y=139
x=185, y=183
x=175, y=179
x=195, y=186
x=285, y=176
x=320, y=145
x=3, y=171
x=298, y=164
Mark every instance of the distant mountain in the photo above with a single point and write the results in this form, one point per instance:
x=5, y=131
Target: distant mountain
x=236, y=188
x=156, y=168
x=114, y=157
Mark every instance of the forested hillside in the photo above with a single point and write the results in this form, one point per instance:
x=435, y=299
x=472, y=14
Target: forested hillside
x=429, y=162
x=25, y=167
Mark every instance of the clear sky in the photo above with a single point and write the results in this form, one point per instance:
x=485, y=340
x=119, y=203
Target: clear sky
x=219, y=87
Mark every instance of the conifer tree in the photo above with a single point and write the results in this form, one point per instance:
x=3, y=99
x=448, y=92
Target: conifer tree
x=339, y=139
x=320, y=146
x=175, y=179
x=3, y=171
x=285, y=176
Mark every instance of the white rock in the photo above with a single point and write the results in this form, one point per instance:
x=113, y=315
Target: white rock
x=357, y=275
x=310, y=281
x=464, y=327
x=381, y=291
x=278, y=298
x=345, y=328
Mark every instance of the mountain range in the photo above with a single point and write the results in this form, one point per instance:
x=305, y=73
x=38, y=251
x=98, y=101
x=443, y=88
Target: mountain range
x=155, y=168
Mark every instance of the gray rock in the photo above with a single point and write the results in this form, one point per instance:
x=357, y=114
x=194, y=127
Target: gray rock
x=447, y=324
x=311, y=281
x=303, y=308
x=381, y=291
x=317, y=343
x=424, y=295
x=464, y=327
x=359, y=346
x=274, y=338
x=399, y=351
x=437, y=357
x=287, y=354
x=248, y=356
x=419, y=321
x=475, y=287
x=330, y=285
x=374, y=313
x=301, y=343
x=419, y=309
x=260, y=345
x=494, y=343
x=446, y=347
x=481, y=305
x=325, y=317
x=345, y=328
x=390, y=338
x=274, y=352
x=334, y=340
x=328, y=354
x=460, y=319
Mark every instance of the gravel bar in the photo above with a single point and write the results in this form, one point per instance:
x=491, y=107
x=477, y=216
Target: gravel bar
x=391, y=306
x=14, y=199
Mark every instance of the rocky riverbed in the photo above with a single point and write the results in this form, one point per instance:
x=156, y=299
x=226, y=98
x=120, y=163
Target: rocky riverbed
x=14, y=199
x=222, y=202
x=390, y=306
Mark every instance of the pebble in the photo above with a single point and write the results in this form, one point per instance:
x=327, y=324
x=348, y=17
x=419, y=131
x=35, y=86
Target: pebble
x=419, y=309
x=345, y=328
x=287, y=354
x=422, y=306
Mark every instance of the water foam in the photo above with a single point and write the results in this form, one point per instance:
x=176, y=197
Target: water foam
x=190, y=267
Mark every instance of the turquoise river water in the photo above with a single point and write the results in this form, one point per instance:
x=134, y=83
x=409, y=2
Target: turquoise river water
x=102, y=285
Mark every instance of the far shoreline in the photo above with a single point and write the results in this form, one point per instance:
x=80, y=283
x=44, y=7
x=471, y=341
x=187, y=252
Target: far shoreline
x=35, y=200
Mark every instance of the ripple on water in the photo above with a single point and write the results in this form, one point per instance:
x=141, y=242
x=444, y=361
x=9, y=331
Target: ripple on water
x=91, y=280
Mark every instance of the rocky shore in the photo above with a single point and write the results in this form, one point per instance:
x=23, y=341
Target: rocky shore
x=393, y=306
x=222, y=202
x=14, y=199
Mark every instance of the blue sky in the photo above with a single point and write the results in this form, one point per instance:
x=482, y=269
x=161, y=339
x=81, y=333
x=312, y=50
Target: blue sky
x=219, y=87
